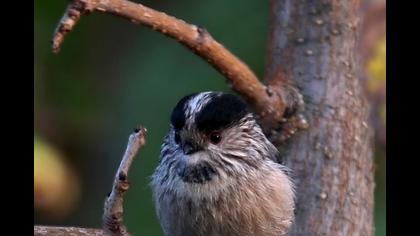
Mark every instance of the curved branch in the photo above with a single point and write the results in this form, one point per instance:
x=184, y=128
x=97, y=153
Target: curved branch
x=269, y=105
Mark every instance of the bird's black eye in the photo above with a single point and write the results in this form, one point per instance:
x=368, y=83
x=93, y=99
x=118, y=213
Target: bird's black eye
x=177, y=137
x=215, y=137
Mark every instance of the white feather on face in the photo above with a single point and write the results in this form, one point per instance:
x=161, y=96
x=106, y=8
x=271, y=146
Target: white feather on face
x=202, y=189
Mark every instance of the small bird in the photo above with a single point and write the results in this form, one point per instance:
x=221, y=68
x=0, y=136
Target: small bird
x=217, y=173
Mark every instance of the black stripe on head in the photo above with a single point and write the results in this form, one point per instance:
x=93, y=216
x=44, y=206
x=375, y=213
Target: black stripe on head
x=220, y=112
x=178, y=113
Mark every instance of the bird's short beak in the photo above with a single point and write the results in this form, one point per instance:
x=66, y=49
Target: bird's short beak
x=190, y=147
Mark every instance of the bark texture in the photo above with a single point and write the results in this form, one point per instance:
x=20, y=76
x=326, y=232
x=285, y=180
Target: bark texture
x=314, y=42
x=63, y=231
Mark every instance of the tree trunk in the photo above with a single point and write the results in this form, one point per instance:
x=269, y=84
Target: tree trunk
x=314, y=43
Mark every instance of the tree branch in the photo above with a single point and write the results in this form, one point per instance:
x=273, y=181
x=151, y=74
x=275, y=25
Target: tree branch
x=269, y=104
x=113, y=210
x=54, y=231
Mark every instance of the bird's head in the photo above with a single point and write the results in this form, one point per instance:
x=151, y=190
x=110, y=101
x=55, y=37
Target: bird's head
x=214, y=132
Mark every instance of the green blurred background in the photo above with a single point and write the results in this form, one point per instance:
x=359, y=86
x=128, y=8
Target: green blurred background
x=112, y=75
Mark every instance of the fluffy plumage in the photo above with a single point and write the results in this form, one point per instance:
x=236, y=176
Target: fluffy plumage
x=217, y=173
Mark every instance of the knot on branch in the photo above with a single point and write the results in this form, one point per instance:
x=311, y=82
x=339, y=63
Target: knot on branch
x=286, y=118
x=114, y=225
x=202, y=40
x=203, y=34
x=294, y=101
x=123, y=184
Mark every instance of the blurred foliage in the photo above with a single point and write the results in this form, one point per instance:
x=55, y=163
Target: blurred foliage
x=376, y=86
x=56, y=187
x=376, y=67
x=382, y=113
x=112, y=75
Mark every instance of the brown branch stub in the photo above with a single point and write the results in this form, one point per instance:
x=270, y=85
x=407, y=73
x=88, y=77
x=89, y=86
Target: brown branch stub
x=269, y=107
x=75, y=231
x=113, y=209
x=292, y=119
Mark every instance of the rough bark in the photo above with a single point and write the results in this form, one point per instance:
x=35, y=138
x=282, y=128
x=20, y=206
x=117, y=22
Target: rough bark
x=58, y=231
x=314, y=42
